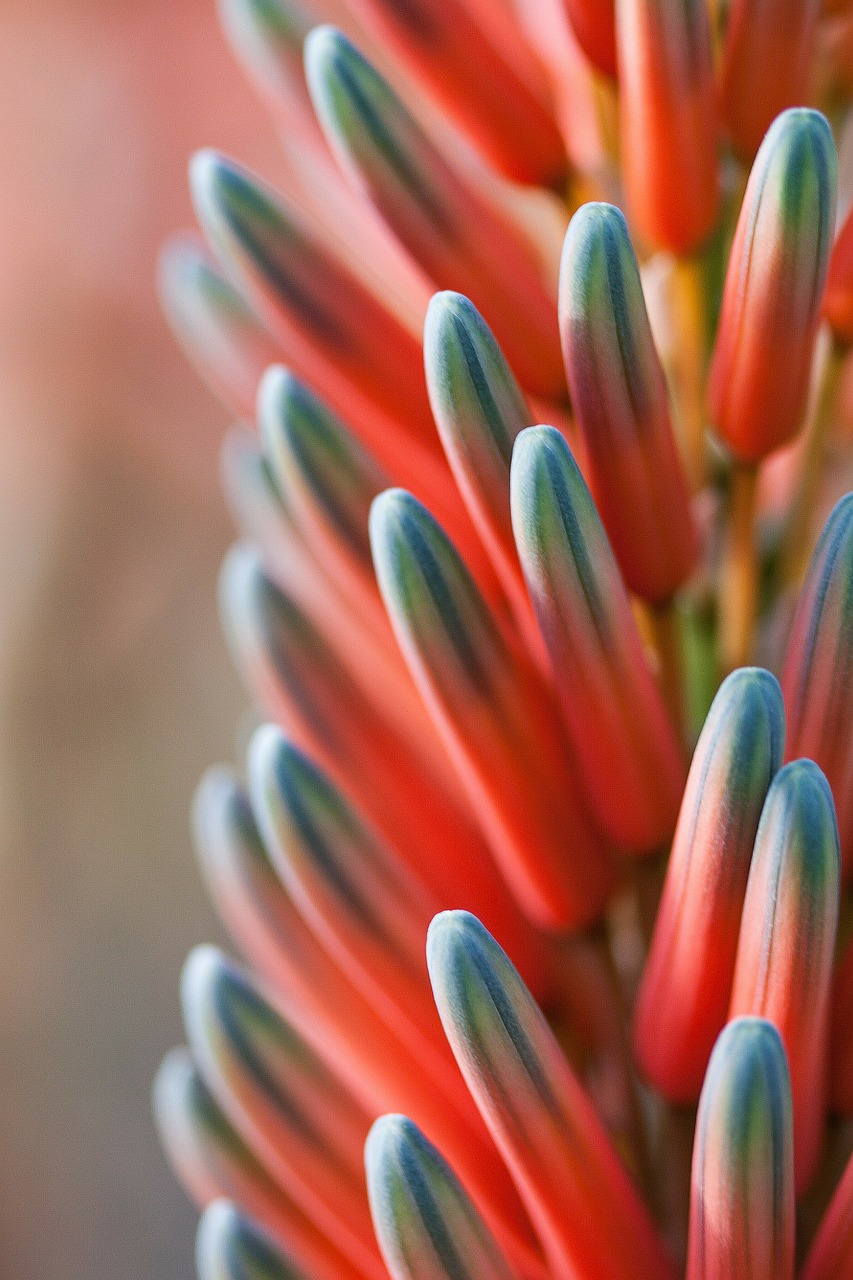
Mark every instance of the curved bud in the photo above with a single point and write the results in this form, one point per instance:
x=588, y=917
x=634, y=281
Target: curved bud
x=838, y=295
x=818, y=676
x=308, y=688
x=627, y=751
x=319, y=998
x=295, y=1114
x=212, y=1161
x=621, y=404
x=499, y=105
x=367, y=908
x=831, y=1254
x=219, y=333
x=684, y=996
x=268, y=37
x=461, y=240
x=594, y=25
x=667, y=115
x=323, y=1004
x=230, y=1246
x=588, y=1215
x=787, y=940
x=332, y=330
x=479, y=409
x=742, y=1211
x=329, y=479
x=426, y=1225
x=774, y=283
x=767, y=55
x=493, y=712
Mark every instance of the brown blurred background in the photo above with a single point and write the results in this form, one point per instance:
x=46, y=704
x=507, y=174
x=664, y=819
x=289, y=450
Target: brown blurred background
x=115, y=691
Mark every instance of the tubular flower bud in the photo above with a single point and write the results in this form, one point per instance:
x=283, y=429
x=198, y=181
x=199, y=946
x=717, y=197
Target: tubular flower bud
x=426, y=1225
x=479, y=410
x=477, y=80
x=818, y=677
x=461, y=240
x=787, y=940
x=491, y=710
x=285, y=1102
x=621, y=404
x=220, y=334
x=230, y=1246
x=742, y=1193
x=774, y=283
x=212, y=1161
x=667, y=120
x=766, y=59
x=684, y=996
x=586, y=1211
x=627, y=752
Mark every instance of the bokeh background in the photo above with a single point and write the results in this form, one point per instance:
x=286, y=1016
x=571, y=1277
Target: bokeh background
x=115, y=689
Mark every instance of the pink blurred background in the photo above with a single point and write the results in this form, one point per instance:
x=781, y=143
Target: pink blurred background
x=115, y=690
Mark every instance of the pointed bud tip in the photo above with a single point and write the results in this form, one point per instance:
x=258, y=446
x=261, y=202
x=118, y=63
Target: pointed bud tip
x=452, y=935
x=269, y=753
x=327, y=51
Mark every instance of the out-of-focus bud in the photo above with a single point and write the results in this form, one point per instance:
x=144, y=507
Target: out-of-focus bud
x=225, y=341
x=230, y=1246
x=588, y=1215
x=831, y=1254
x=818, y=676
x=594, y=25
x=621, y=404
x=668, y=125
x=787, y=940
x=212, y=1161
x=841, y=1036
x=774, y=284
x=628, y=756
x=284, y=1101
x=742, y=1211
x=684, y=995
x=461, y=240
x=838, y=294
x=766, y=59
x=497, y=102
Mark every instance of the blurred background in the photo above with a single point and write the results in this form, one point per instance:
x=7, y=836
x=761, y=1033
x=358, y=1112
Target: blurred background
x=115, y=690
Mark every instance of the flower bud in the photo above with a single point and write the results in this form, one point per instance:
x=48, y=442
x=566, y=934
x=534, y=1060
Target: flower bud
x=774, y=283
